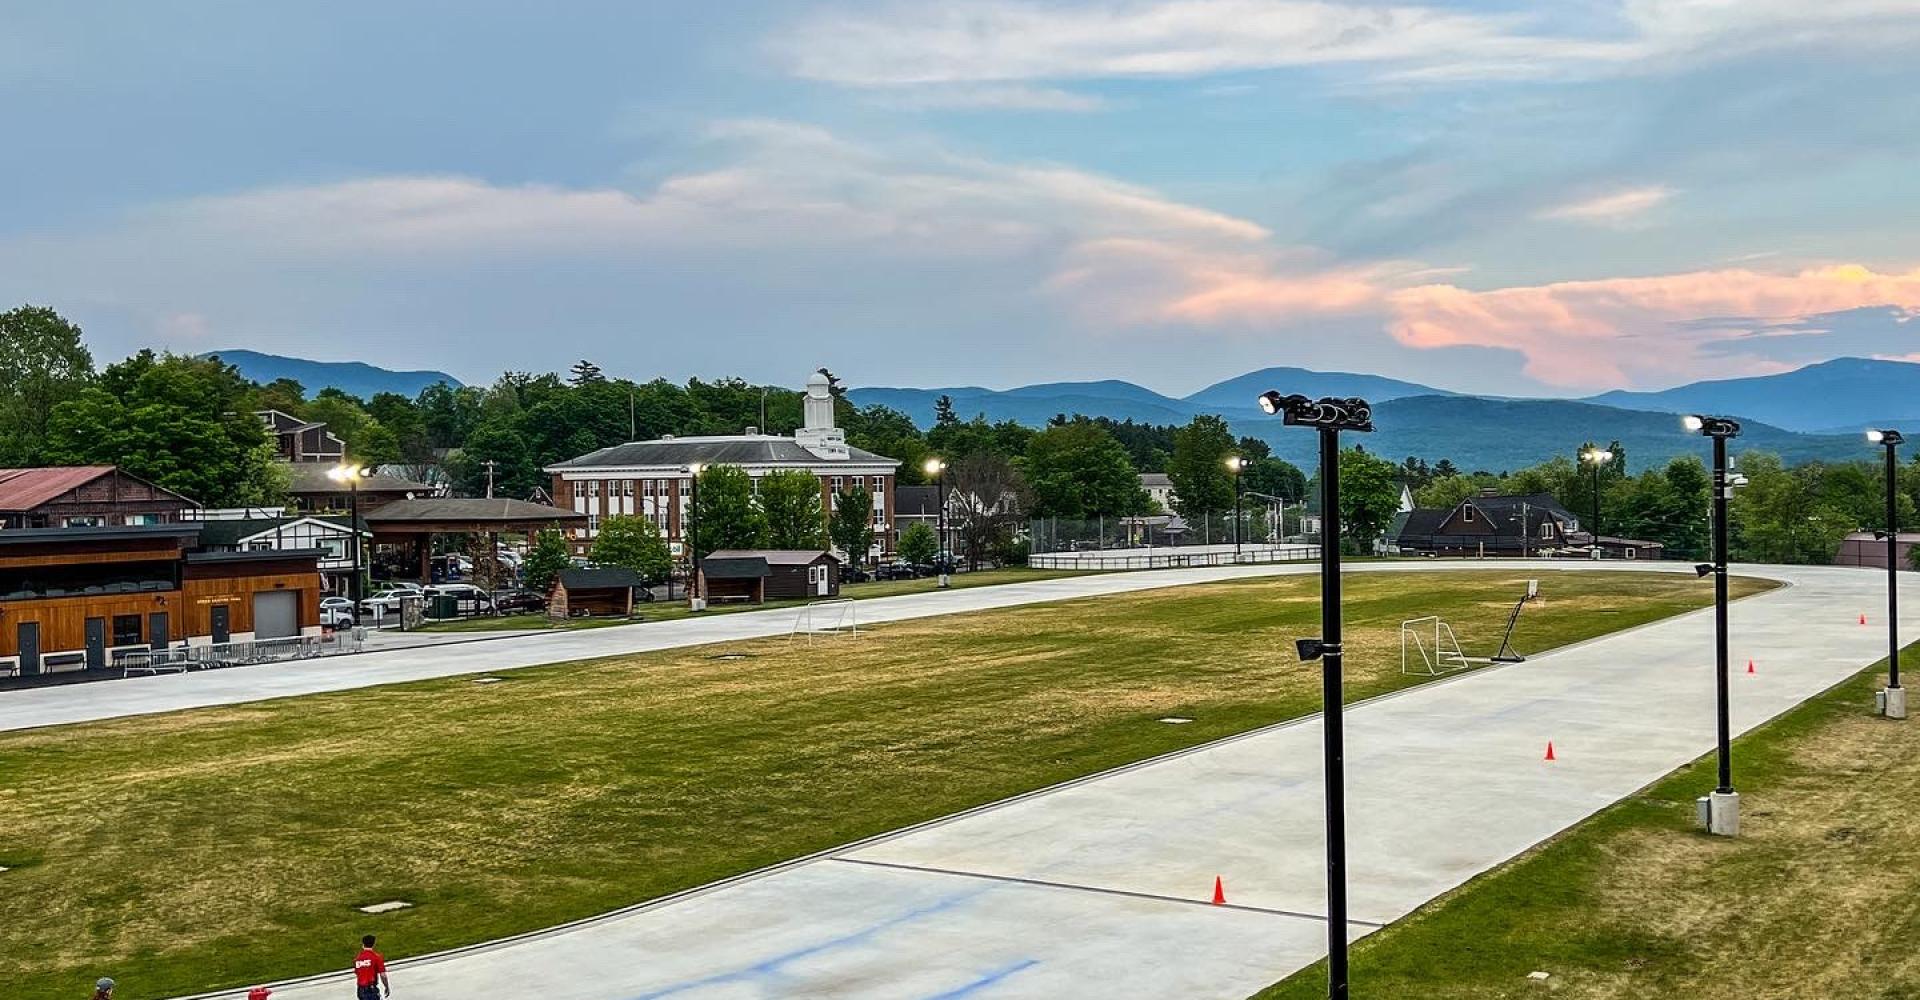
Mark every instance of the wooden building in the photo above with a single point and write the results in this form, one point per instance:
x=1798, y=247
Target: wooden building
x=84, y=496
x=311, y=489
x=70, y=598
x=598, y=591
x=1491, y=525
x=760, y=575
x=298, y=440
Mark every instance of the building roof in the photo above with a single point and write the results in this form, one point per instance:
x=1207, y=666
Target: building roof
x=229, y=531
x=732, y=449
x=916, y=501
x=311, y=477
x=1156, y=479
x=600, y=577
x=773, y=557
x=24, y=536
x=1906, y=538
x=1502, y=504
x=475, y=509
x=256, y=555
x=734, y=568
x=1423, y=521
x=25, y=489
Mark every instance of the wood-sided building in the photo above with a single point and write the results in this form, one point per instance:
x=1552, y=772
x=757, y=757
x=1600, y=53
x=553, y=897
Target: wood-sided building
x=71, y=598
x=84, y=496
x=761, y=575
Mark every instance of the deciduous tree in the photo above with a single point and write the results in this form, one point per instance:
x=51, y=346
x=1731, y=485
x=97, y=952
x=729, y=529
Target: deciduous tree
x=790, y=505
x=632, y=542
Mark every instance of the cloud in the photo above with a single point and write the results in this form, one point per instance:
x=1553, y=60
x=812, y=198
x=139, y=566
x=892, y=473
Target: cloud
x=1004, y=40
x=1637, y=330
x=1616, y=209
x=977, y=97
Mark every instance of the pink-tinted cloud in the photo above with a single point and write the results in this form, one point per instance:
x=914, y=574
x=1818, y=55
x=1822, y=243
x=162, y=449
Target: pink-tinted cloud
x=1634, y=330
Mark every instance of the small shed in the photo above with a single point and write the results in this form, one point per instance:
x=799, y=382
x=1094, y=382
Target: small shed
x=760, y=575
x=594, y=590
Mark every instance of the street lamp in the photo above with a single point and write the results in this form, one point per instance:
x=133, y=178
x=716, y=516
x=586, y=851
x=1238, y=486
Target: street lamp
x=1596, y=457
x=1723, y=806
x=696, y=594
x=1894, y=698
x=1236, y=465
x=351, y=475
x=938, y=469
x=1329, y=416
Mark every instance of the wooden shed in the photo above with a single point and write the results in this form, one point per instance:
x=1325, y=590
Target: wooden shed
x=595, y=590
x=760, y=575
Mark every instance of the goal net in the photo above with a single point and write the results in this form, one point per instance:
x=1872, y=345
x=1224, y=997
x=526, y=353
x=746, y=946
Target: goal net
x=827, y=618
x=1428, y=647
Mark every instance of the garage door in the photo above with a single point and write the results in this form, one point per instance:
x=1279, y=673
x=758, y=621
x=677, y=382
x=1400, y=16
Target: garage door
x=276, y=614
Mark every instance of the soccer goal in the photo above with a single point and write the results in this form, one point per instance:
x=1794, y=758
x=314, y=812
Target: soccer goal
x=1428, y=647
x=828, y=618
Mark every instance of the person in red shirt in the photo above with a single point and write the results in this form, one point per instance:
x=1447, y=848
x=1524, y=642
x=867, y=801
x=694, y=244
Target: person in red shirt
x=368, y=969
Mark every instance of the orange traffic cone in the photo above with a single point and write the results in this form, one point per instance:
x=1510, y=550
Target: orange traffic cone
x=1219, y=892
x=1863, y=617
x=1550, y=755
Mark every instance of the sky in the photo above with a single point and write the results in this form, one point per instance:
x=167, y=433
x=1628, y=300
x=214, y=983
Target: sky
x=1499, y=197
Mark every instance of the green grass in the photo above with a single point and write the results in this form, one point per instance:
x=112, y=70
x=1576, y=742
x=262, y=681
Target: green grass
x=674, y=610
x=1819, y=896
x=227, y=845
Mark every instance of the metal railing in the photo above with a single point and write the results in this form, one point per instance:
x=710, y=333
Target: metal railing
x=1173, y=558
x=179, y=659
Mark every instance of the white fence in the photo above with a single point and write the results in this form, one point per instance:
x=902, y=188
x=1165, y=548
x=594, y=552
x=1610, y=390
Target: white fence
x=1174, y=557
x=180, y=659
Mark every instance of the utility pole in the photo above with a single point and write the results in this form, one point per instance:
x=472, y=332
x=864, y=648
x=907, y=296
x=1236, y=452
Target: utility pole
x=490, y=465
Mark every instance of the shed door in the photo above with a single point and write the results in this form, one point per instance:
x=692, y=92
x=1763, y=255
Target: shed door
x=28, y=636
x=222, y=629
x=276, y=614
x=818, y=575
x=157, y=634
x=96, y=643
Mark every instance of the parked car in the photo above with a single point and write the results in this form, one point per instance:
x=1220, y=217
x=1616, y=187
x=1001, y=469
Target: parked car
x=508, y=602
x=855, y=574
x=470, y=597
x=386, y=603
x=895, y=571
x=337, y=612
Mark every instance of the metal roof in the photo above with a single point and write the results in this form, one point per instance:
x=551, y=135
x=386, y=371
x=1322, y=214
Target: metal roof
x=468, y=509
x=25, y=489
x=311, y=477
x=597, y=577
x=734, y=568
x=255, y=555
x=773, y=557
x=735, y=449
x=23, y=536
x=916, y=501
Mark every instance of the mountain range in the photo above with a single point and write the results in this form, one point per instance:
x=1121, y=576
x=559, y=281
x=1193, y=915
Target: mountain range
x=1815, y=412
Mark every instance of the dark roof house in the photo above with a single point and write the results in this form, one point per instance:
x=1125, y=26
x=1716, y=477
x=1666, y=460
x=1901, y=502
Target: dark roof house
x=1492, y=525
x=82, y=496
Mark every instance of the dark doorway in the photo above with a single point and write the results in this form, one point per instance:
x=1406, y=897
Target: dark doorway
x=221, y=630
x=157, y=635
x=96, y=643
x=28, y=634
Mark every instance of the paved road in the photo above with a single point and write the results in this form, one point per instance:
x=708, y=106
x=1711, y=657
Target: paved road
x=1100, y=888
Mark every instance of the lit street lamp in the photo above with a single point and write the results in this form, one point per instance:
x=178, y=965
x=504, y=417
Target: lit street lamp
x=1596, y=457
x=1329, y=416
x=938, y=469
x=1236, y=465
x=1894, y=698
x=351, y=475
x=1723, y=806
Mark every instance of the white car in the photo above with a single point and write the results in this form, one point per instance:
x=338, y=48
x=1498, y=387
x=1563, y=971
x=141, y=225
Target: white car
x=337, y=612
x=386, y=603
x=465, y=593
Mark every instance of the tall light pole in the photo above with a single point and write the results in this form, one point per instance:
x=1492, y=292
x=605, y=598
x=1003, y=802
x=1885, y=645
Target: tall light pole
x=1329, y=416
x=1596, y=457
x=696, y=594
x=1723, y=806
x=938, y=469
x=1894, y=698
x=1236, y=465
x=351, y=475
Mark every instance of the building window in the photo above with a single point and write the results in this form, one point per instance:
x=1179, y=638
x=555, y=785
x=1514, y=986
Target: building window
x=126, y=630
x=626, y=487
x=89, y=521
x=141, y=519
x=260, y=545
x=1546, y=530
x=686, y=487
x=1466, y=513
x=646, y=489
x=593, y=523
x=838, y=483
x=879, y=485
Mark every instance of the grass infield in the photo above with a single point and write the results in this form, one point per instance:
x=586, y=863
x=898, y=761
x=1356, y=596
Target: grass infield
x=223, y=846
x=1817, y=897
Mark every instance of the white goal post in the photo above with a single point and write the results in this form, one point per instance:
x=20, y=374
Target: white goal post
x=832, y=617
x=1428, y=647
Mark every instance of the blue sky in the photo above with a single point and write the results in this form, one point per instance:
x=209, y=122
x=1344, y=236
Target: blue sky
x=1478, y=196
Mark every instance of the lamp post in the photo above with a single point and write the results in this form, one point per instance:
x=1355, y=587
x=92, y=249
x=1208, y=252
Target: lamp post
x=1329, y=416
x=696, y=593
x=1723, y=806
x=351, y=475
x=938, y=469
x=1596, y=457
x=1236, y=465
x=1894, y=698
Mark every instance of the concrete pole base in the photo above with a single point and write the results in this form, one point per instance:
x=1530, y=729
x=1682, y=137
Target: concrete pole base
x=1722, y=814
x=1893, y=703
x=696, y=604
x=944, y=582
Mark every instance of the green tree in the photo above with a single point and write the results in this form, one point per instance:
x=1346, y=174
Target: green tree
x=852, y=523
x=180, y=422
x=1202, y=485
x=548, y=556
x=42, y=362
x=728, y=516
x=1369, y=495
x=1078, y=470
x=918, y=544
x=1275, y=477
x=632, y=542
x=790, y=505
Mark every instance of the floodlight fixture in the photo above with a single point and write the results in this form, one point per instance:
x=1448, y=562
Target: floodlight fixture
x=934, y=466
x=1270, y=401
x=1235, y=463
x=1890, y=438
x=1893, y=699
x=1704, y=569
x=1713, y=427
x=1338, y=413
x=1310, y=649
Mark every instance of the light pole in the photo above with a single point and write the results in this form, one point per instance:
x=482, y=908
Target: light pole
x=1329, y=416
x=696, y=594
x=1236, y=465
x=938, y=470
x=1723, y=806
x=1894, y=698
x=1596, y=457
x=351, y=475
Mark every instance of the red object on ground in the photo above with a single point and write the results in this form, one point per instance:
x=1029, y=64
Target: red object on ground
x=1749, y=666
x=1219, y=892
x=1863, y=617
x=259, y=993
x=1550, y=750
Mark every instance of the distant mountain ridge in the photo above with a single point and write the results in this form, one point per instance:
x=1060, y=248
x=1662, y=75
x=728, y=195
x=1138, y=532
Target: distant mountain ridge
x=1852, y=393
x=354, y=377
